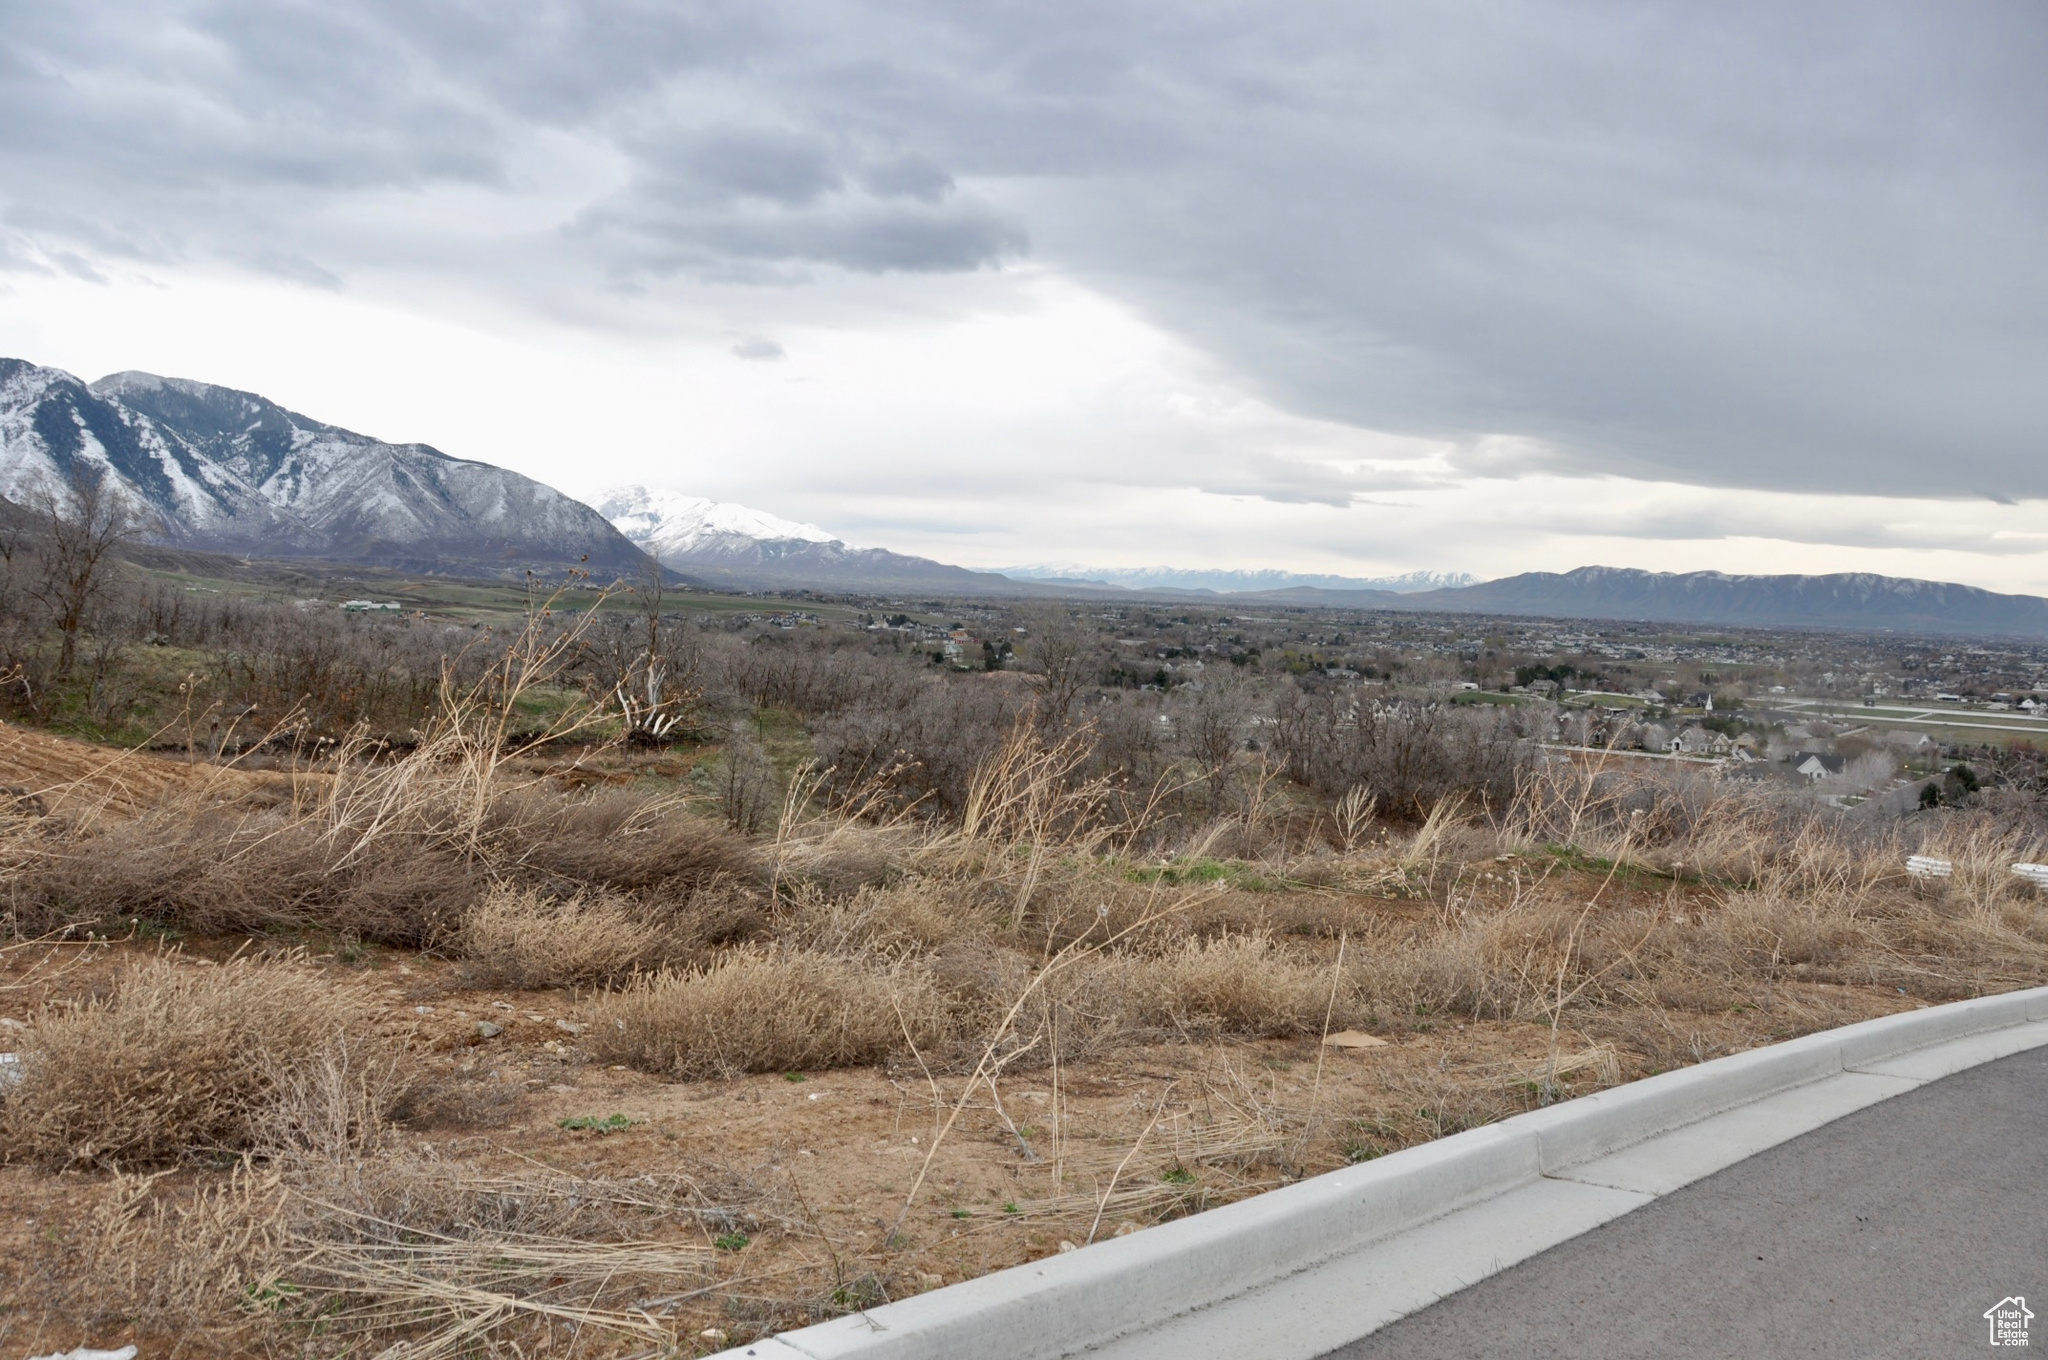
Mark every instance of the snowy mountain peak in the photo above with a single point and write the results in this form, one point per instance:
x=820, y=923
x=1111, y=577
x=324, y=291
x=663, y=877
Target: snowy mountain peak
x=213, y=467
x=668, y=523
x=749, y=549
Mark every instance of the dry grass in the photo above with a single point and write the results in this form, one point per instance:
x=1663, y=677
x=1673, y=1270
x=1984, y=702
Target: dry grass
x=179, y=1264
x=521, y=938
x=393, y=850
x=1237, y=984
x=216, y=869
x=430, y=1252
x=764, y=1010
x=182, y=1063
x=1054, y=941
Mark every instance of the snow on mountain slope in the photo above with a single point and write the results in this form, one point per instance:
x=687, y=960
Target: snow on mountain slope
x=668, y=523
x=212, y=467
x=749, y=548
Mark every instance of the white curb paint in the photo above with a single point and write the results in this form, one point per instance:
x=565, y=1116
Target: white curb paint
x=1298, y=1271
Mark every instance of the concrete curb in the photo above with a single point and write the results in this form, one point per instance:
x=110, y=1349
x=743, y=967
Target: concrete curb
x=1084, y=1300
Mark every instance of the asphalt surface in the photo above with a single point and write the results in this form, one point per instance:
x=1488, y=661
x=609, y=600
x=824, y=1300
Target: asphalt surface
x=1886, y=1233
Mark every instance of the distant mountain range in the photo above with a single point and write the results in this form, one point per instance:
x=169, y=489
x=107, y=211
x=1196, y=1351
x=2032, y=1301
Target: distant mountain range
x=731, y=545
x=1847, y=600
x=210, y=467
x=213, y=468
x=747, y=548
x=1231, y=582
x=713, y=541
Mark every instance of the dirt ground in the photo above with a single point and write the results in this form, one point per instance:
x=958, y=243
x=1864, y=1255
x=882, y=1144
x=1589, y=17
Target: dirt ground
x=797, y=1195
x=820, y=1167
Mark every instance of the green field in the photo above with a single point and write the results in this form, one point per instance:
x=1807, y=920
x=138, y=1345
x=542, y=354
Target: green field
x=464, y=600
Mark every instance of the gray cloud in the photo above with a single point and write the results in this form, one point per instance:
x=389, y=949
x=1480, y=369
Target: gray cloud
x=907, y=176
x=1738, y=245
x=733, y=163
x=759, y=348
x=1857, y=530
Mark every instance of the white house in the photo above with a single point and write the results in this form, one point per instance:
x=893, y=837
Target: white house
x=1818, y=765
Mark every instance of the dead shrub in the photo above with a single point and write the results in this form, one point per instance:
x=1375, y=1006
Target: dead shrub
x=447, y=1260
x=616, y=839
x=440, y=1257
x=1082, y=1011
x=919, y=915
x=214, y=870
x=1428, y=976
x=174, y=1264
x=184, y=1061
x=521, y=938
x=1236, y=984
x=1077, y=904
x=760, y=1010
x=404, y=877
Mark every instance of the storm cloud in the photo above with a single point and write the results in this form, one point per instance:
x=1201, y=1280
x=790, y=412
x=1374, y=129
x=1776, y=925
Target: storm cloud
x=1734, y=245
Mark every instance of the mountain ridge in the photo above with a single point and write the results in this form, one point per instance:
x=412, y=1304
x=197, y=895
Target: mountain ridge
x=217, y=468
x=1230, y=581
x=746, y=548
x=1864, y=601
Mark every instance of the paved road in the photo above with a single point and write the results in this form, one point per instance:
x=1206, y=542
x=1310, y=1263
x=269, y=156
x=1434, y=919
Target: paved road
x=1901, y=715
x=1887, y=1233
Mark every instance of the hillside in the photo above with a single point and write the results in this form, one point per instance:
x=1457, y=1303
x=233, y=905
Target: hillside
x=211, y=467
x=1853, y=600
x=743, y=548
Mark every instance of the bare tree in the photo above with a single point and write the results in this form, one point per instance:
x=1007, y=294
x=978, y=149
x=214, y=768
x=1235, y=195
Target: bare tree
x=1213, y=725
x=747, y=791
x=649, y=670
x=1058, y=649
x=80, y=527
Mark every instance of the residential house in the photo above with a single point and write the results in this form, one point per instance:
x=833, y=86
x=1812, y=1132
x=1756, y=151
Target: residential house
x=1699, y=741
x=1818, y=765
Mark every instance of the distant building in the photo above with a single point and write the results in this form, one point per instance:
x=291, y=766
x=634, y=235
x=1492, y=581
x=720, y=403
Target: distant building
x=1818, y=765
x=1698, y=741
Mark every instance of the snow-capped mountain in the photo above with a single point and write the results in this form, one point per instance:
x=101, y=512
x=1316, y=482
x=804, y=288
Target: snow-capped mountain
x=739, y=546
x=1235, y=582
x=211, y=467
x=669, y=523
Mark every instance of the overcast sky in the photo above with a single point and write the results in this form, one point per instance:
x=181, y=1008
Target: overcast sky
x=1346, y=288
